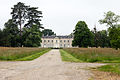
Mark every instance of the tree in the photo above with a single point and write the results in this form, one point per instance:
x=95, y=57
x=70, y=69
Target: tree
x=115, y=37
x=11, y=33
x=95, y=37
x=19, y=14
x=101, y=38
x=27, y=17
x=111, y=19
x=83, y=37
x=32, y=36
x=34, y=17
x=48, y=32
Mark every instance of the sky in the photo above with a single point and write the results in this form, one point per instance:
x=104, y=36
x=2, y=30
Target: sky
x=62, y=15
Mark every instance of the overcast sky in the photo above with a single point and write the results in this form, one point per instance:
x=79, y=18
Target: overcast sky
x=62, y=15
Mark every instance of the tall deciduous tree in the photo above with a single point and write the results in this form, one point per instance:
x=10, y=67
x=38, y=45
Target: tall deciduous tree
x=32, y=36
x=101, y=38
x=115, y=37
x=83, y=37
x=48, y=32
x=11, y=30
x=111, y=19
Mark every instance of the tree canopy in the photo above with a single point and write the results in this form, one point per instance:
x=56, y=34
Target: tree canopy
x=48, y=32
x=112, y=20
x=83, y=37
x=24, y=27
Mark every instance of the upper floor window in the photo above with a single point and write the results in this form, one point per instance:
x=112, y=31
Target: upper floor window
x=52, y=40
x=68, y=41
x=44, y=40
x=64, y=40
x=56, y=41
x=48, y=41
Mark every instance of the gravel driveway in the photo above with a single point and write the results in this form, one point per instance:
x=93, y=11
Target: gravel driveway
x=47, y=67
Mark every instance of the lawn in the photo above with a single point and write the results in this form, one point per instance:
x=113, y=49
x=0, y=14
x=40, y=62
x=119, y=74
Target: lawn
x=113, y=68
x=68, y=57
x=100, y=55
x=9, y=54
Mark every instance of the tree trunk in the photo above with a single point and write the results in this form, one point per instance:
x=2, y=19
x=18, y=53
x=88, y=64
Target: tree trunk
x=20, y=29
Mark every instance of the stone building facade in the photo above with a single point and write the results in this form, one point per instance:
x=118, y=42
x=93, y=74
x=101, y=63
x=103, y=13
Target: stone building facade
x=56, y=41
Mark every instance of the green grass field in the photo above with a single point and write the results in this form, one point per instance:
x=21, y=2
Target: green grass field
x=92, y=55
x=113, y=68
x=100, y=55
x=21, y=54
x=68, y=57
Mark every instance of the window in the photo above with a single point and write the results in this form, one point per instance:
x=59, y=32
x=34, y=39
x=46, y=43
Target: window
x=44, y=40
x=68, y=45
x=56, y=41
x=52, y=40
x=68, y=40
x=60, y=40
x=64, y=40
x=61, y=45
x=48, y=41
x=64, y=45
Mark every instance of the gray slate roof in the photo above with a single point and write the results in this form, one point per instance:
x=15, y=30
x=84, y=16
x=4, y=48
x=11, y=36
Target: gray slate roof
x=60, y=37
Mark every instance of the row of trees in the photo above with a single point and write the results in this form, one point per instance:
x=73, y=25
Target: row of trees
x=24, y=29
x=83, y=37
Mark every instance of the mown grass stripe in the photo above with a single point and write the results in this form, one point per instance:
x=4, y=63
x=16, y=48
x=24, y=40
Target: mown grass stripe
x=34, y=56
x=68, y=57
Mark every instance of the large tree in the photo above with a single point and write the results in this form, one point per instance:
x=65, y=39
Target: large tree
x=115, y=37
x=11, y=30
x=101, y=38
x=112, y=20
x=19, y=14
x=32, y=36
x=83, y=37
x=34, y=17
x=48, y=32
x=26, y=17
x=9, y=35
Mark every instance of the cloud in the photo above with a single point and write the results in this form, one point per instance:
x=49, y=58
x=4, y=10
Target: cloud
x=62, y=15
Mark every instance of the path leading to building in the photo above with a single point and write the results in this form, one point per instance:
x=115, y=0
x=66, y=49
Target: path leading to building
x=47, y=67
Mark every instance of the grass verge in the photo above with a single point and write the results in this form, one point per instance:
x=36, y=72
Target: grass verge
x=13, y=54
x=113, y=68
x=32, y=57
x=68, y=57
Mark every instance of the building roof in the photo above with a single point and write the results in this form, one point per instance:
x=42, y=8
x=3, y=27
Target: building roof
x=60, y=37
